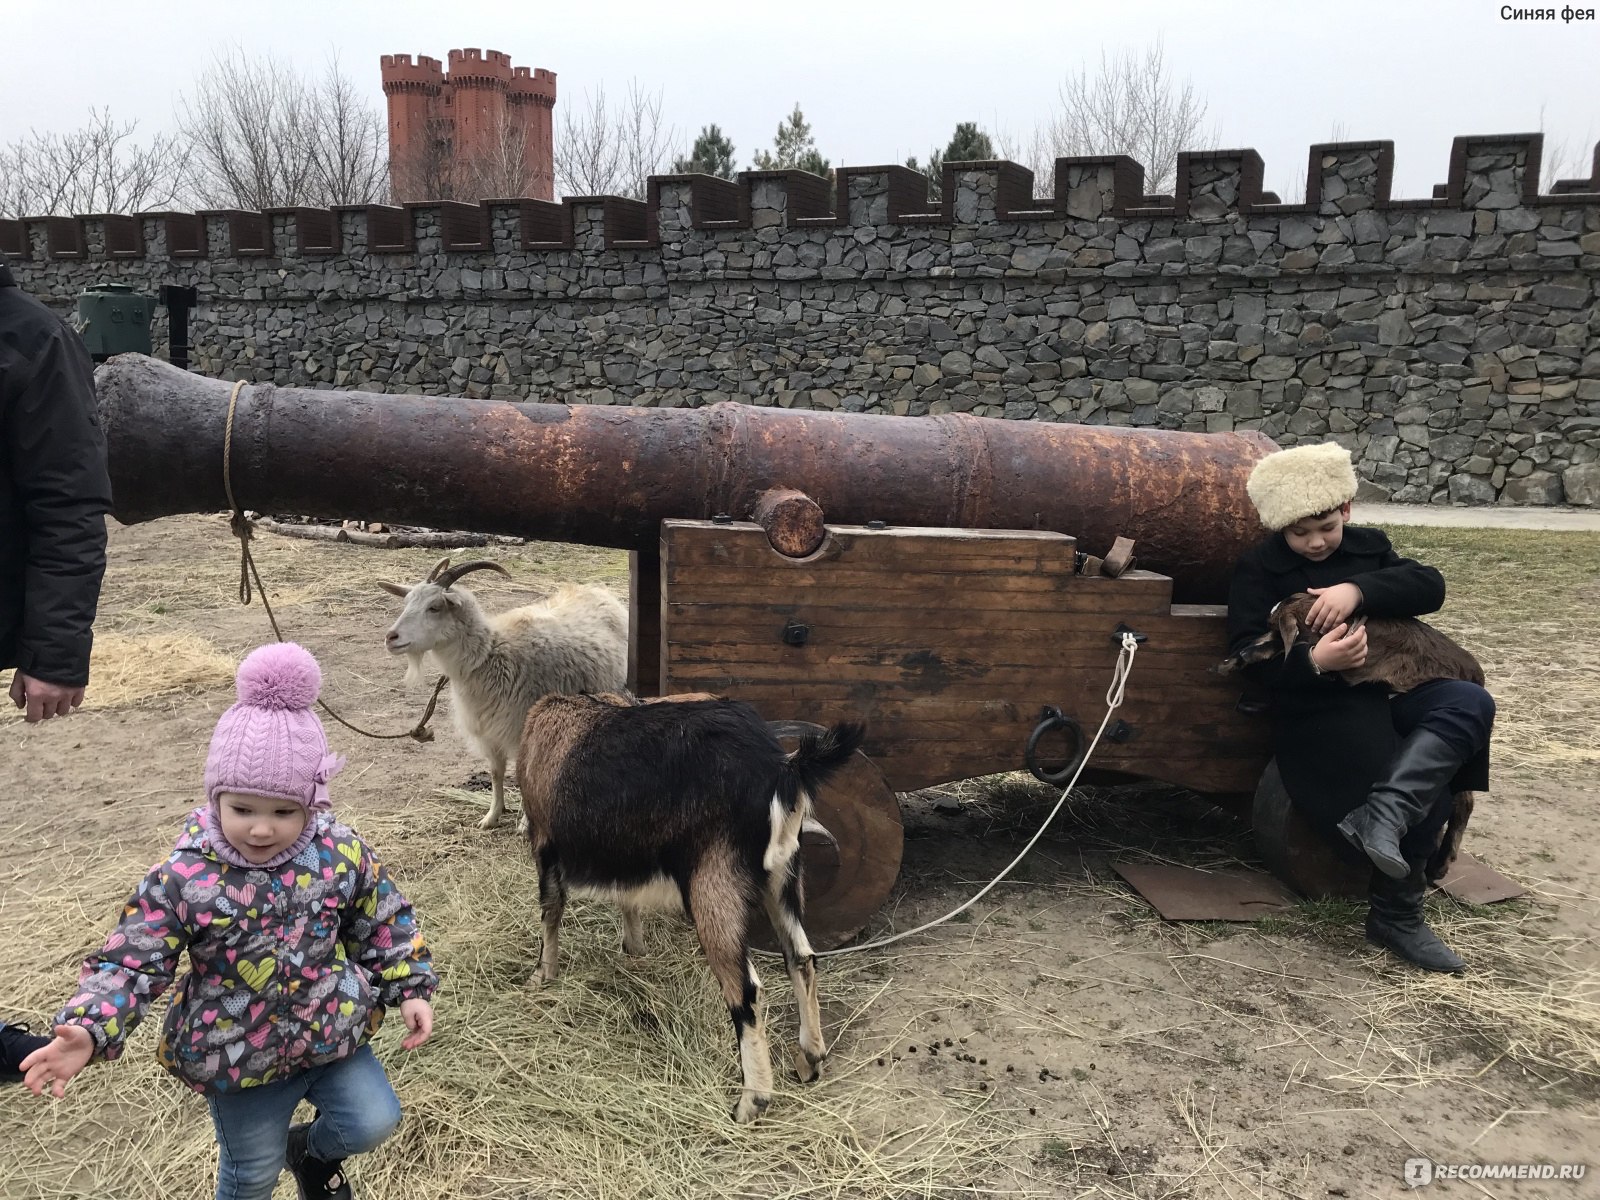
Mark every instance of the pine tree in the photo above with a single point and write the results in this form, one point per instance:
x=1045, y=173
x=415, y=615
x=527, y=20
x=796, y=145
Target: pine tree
x=967, y=144
x=712, y=154
x=793, y=149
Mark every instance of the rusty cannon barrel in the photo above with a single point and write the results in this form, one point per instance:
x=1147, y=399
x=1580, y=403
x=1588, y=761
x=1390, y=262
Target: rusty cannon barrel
x=608, y=476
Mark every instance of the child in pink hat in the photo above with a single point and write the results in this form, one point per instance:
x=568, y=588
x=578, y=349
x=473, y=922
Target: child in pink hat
x=298, y=942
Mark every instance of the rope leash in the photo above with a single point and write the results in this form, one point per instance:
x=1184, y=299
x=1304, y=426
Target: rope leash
x=244, y=531
x=1114, y=695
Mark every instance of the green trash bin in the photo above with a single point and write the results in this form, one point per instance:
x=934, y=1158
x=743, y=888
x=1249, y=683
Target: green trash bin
x=114, y=319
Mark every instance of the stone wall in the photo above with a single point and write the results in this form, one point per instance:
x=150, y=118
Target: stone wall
x=1453, y=342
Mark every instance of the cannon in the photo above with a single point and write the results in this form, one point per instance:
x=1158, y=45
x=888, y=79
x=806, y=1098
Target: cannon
x=921, y=574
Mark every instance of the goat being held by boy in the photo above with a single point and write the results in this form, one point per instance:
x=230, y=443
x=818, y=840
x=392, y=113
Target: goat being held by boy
x=1402, y=652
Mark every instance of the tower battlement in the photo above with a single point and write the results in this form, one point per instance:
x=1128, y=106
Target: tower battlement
x=399, y=72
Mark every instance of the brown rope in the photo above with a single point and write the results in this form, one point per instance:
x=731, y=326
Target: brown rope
x=243, y=530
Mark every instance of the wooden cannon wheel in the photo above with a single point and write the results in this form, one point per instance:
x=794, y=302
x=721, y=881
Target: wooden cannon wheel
x=852, y=861
x=1295, y=852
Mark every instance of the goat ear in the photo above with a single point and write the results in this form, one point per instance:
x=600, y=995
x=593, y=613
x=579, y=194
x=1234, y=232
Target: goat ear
x=1288, y=632
x=394, y=589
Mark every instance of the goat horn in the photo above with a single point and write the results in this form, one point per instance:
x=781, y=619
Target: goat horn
x=438, y=569
x=448, y=577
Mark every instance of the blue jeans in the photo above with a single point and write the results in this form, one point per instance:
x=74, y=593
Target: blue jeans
x=356, y=1111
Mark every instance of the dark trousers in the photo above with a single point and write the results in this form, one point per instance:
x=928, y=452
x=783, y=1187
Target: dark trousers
x=1462, y=715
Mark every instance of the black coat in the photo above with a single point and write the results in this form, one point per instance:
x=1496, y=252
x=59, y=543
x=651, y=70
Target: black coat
x=1332, y=741
x=54, y=493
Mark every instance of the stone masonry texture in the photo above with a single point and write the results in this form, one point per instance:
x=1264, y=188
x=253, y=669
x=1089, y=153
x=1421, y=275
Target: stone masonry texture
x=1452, y=343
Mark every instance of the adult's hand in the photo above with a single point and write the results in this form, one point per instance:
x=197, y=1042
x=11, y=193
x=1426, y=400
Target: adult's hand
x=43, y=700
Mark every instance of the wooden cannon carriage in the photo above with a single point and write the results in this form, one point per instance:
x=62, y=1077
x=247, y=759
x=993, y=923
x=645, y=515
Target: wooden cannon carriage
x=921, y=574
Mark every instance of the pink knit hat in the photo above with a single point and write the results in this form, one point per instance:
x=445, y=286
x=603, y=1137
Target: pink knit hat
x=270, y=743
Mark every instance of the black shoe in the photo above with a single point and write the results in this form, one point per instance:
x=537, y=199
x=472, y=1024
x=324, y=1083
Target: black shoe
x=1422, y=769
x=1395, y=923
x=315, y=1179
x=16, y=1043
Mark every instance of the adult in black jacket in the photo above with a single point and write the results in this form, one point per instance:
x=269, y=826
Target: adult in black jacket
x=1375, y=773
x=54, y=494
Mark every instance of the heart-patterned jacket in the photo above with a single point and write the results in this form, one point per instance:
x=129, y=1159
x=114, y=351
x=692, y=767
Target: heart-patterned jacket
x=290, y=967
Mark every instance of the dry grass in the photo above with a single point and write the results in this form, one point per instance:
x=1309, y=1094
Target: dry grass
x=130, y=669
x=616, y=1081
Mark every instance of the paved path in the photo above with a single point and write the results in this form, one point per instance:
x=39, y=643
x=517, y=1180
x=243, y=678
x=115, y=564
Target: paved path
x=1484, y=517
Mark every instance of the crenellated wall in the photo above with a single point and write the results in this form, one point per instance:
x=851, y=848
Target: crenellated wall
x=1452, y=342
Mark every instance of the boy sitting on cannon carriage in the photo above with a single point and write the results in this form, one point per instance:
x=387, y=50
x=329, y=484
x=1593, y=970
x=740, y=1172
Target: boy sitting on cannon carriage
x=1375, y=770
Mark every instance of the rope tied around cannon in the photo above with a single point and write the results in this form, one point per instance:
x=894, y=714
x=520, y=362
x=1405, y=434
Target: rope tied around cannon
x=245, y=531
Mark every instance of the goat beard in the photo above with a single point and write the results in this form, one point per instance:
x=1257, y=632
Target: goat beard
x=414, y=667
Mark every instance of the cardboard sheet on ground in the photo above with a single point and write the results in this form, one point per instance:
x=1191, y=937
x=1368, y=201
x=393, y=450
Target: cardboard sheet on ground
x=1477, y=882
x=1189, y=894
x=1239, y=894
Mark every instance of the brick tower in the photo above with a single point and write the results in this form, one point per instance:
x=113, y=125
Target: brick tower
x=468, y=129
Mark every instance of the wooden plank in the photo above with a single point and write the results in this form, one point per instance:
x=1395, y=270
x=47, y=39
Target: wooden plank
x=1205, y=644
x=704, y=616
x=912, y=596
x=920, y=672
x=707, y=541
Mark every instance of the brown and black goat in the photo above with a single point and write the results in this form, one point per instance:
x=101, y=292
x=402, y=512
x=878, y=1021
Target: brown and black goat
x=1402, y=653
x=692, y=805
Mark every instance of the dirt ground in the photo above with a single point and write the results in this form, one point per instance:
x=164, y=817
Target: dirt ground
x=1122, y=1055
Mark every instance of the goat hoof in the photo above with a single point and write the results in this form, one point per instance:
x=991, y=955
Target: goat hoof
x=489, y=822
x=807, y=1066
x=633, y=949
x=750, y=1107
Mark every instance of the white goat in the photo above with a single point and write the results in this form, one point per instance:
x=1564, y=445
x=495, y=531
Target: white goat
x=574, y=641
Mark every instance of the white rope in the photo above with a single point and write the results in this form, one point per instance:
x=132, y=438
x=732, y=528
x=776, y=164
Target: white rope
x=1119, y=684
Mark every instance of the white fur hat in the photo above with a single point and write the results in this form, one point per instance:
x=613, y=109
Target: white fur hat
x=1290, y=484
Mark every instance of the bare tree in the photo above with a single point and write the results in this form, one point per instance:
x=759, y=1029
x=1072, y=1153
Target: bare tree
x=501, y=166
x=606, y=152
x=98, y=168
x=428, y=170
x=1132, y=106
x=1564, y=158
x=349, y=158
x=259, y=135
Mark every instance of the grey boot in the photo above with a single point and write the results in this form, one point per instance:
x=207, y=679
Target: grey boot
x=1422, y=769
x=1395, y=923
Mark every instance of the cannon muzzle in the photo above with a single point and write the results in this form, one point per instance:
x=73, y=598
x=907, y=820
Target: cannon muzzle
x=608, y=476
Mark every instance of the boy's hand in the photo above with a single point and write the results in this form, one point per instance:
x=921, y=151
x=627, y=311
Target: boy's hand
x=418, y=1016
x=1333, y=605
x=53, y=1065
x=1343, y=649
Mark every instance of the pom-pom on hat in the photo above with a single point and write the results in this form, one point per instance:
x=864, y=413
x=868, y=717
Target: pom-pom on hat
x=1289, y=485
x=270, y=743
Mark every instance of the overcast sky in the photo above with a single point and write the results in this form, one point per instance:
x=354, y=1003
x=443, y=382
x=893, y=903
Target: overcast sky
x=878, y=81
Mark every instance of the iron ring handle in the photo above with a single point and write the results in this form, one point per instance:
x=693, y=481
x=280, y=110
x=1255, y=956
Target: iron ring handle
x=1052, y=720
